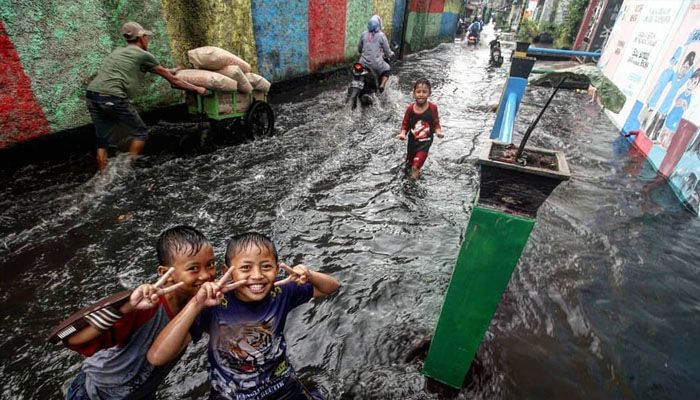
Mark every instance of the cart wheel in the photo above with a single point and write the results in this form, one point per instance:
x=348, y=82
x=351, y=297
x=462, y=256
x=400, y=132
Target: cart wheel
x=190, y=144
x=260, y=120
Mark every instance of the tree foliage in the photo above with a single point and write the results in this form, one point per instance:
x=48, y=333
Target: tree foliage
x=527, y=31
x=569, y=28
x=502, y=21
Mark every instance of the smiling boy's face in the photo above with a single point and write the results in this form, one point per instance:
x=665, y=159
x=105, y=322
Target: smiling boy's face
x=258, y=267
x=192, y=270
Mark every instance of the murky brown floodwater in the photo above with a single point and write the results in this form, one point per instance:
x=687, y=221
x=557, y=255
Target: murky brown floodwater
x=603, y=304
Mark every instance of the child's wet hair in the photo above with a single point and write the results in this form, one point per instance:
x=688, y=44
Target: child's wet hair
x=423, y=81
x=179, y=239
x=245, y=240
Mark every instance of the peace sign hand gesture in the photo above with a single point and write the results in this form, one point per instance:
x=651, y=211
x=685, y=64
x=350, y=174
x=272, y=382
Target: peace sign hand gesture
x=212, y=293
x=147, y=296
x=299, y=274
x=227, y=287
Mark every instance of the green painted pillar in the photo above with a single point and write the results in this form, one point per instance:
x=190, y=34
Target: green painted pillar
x=499, y=227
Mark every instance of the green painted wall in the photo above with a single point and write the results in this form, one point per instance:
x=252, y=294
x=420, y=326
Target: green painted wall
x=422, y=31
x=385, y=10
x=357, y=14
x=453, y=6
x=225, y=24
x=61, y=45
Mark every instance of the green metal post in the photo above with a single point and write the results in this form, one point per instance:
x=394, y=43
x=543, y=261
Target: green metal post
x=500, y=224
x=489, y=253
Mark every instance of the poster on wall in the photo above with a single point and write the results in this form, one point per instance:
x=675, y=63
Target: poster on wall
x=685, y=178
x=677, y=139
x=665, y=111
x=651, y=20
x=622, y=31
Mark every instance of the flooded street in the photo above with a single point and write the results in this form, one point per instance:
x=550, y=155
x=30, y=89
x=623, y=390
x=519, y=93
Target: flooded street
x=603, y=304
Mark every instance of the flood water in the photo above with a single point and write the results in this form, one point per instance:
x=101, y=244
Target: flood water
x=603, y=304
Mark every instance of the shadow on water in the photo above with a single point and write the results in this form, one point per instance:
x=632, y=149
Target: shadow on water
x=603, y=303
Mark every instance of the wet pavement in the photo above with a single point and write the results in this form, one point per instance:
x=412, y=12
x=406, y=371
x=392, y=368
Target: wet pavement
x=603, y=303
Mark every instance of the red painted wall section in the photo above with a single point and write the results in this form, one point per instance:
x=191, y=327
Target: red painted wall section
x=326, y=33
x=21, y=116
x=427, y=6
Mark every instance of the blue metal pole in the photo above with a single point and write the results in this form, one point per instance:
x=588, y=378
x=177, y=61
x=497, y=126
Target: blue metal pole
x=520, y=68
x=509, y=118
x=560, y=52
x=502, y=130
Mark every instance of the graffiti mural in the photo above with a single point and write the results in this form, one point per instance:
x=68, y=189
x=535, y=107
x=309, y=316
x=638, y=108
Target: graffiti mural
x=326, y=33
x=20, y=114
x=51, y=49
x=659, y=72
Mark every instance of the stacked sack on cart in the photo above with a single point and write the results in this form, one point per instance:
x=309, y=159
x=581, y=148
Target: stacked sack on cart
x=221, y=71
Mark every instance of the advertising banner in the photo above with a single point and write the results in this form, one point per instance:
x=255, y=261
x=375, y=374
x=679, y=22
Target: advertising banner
x=657, y=66
x=679, y=134
x=667, y=110
x=649, y=23
x=621, y=33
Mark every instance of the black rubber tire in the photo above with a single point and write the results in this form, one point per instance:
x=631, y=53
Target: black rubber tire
x=190, y=144
x=260, y=120
x=354, y=92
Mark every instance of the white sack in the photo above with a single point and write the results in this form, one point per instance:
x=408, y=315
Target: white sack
x=214, y=58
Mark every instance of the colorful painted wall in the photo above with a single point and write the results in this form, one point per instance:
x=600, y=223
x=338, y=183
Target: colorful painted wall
x=653, y=55
x=430, y=22
x=51, y=49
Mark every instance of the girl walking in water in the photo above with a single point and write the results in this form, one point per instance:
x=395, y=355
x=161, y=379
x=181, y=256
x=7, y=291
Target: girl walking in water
x=421, y=121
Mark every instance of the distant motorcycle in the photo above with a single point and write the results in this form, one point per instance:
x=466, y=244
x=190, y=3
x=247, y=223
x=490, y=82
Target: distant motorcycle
x=472, y=38
x=461, y=29
x=362, y=86
x=495, y=59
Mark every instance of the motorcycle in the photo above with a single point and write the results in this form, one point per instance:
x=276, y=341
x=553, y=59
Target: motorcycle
x=495, y=58
x=472, y=38
x=365, y=83
x=461, y=29
x=362, y=86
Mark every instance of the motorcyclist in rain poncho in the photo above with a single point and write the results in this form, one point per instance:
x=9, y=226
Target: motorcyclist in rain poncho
x=374, y=48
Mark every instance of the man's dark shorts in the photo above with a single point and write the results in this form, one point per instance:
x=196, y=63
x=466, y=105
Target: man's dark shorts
x=108, y=111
